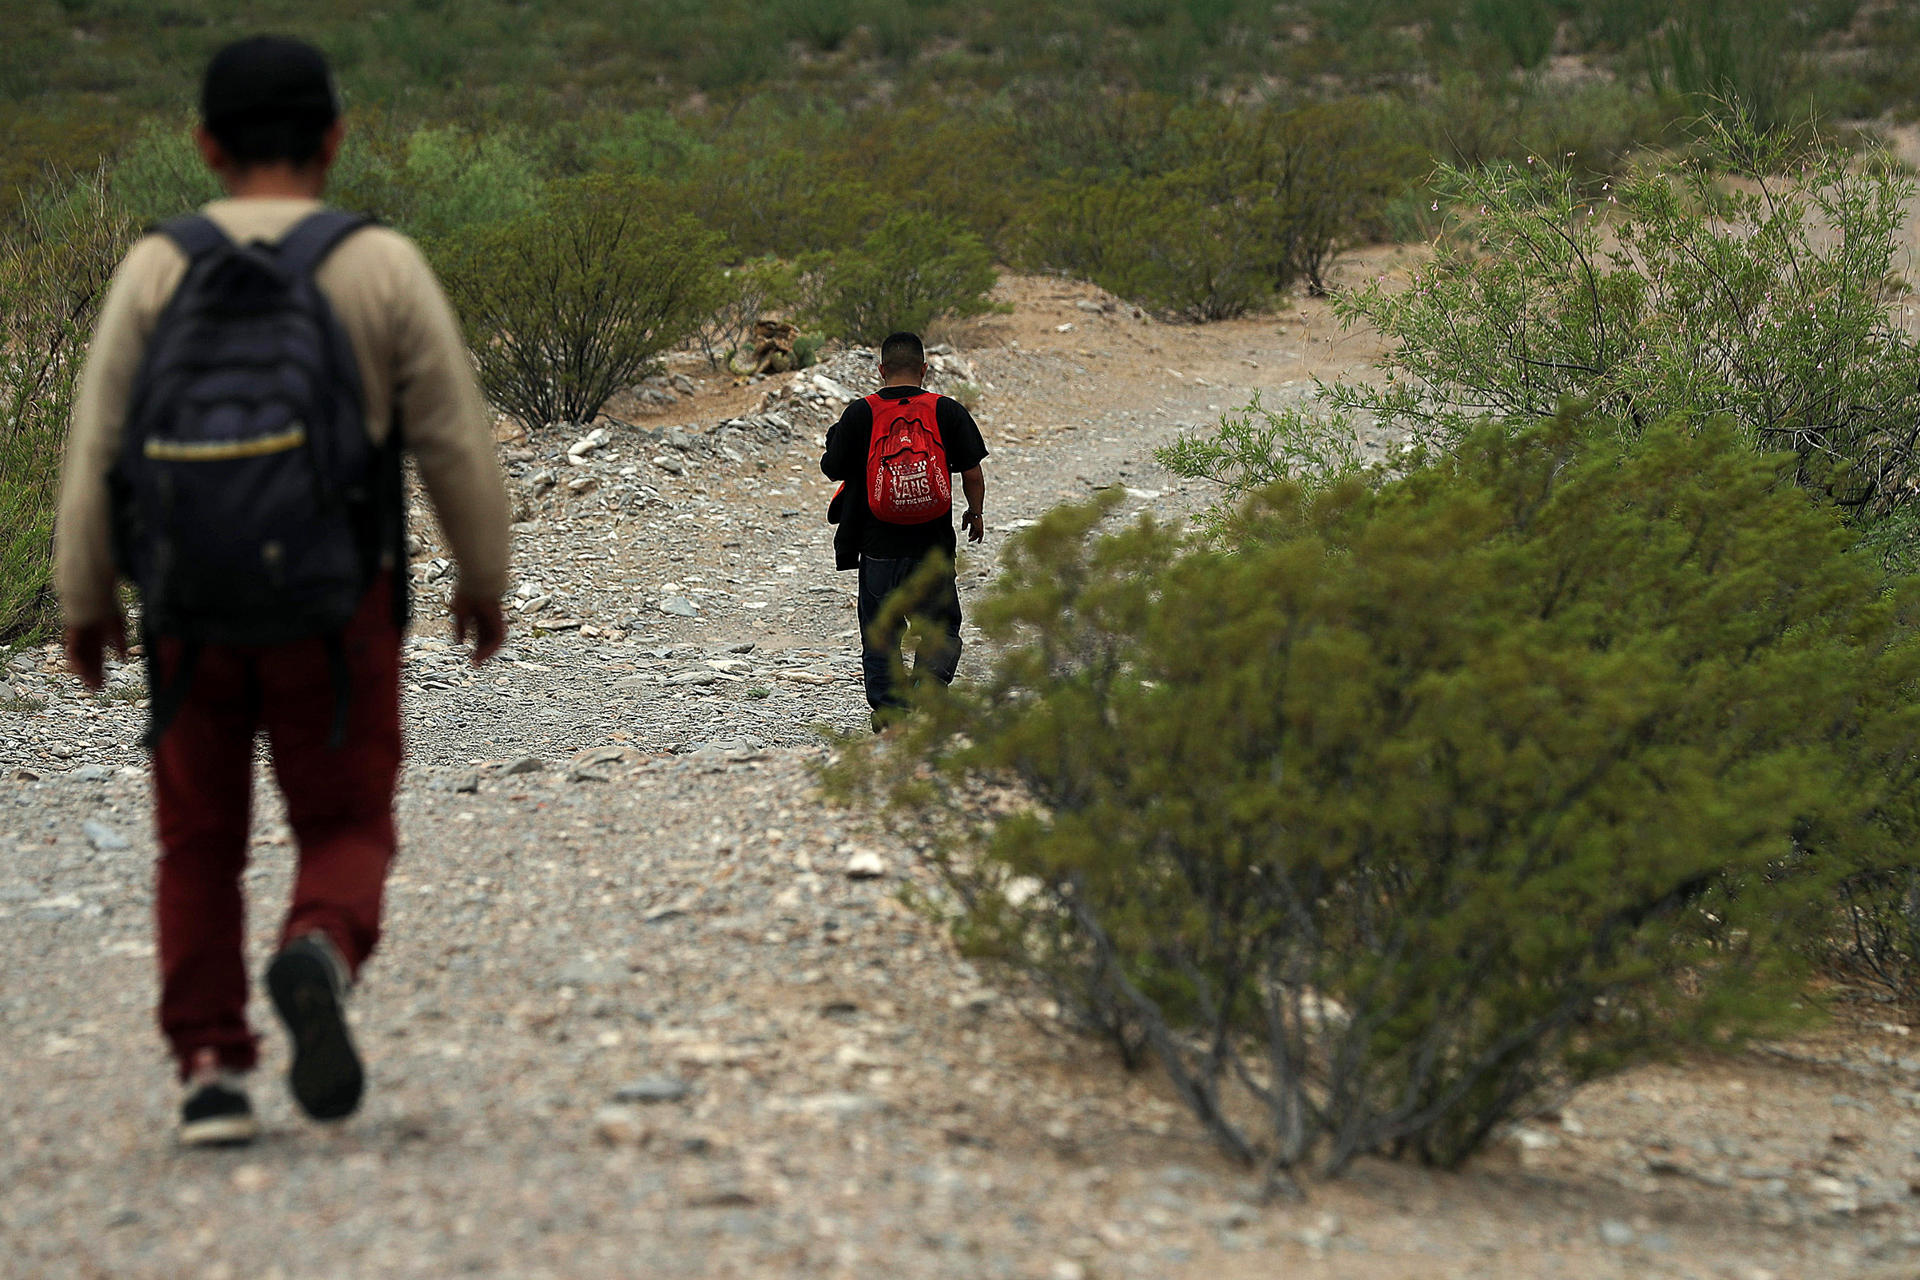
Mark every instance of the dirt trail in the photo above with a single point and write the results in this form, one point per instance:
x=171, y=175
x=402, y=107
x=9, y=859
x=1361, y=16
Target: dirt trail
x=633, y=1018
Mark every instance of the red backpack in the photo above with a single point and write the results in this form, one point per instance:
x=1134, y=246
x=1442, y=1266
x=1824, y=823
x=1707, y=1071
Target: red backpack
x=907, y=477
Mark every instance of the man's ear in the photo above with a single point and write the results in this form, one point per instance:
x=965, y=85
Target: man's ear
x=330, y=144
x=212, y=154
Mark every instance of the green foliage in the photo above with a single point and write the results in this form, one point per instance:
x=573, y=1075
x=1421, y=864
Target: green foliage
x=1257, y=447
x=806, y=348
x=743, y=295
x=1671, y=295
x=433, y=181
x=161, y=175
x=1523, y=30
x=565, y=306
x=55, y=263
x=1727, y=55
x=1166, y=242
x=1426, y=800
x=912, y=270
x=1205, y=212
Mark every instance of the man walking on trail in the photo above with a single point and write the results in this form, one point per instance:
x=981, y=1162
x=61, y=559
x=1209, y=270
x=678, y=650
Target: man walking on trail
x=897, y=451
x=235, y=451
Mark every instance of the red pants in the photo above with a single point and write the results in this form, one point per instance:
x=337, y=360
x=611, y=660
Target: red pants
x=340, y=802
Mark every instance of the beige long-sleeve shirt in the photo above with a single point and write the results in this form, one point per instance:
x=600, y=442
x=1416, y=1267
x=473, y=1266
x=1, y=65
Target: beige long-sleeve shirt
x=412, y=360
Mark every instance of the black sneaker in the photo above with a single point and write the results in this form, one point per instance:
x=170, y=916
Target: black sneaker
x=216, y=1113
x=308, y=982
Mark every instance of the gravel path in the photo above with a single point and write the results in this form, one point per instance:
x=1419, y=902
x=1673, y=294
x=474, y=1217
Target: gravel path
x=634, y=1017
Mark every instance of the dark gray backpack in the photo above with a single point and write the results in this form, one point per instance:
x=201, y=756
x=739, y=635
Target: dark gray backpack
x=250, y=506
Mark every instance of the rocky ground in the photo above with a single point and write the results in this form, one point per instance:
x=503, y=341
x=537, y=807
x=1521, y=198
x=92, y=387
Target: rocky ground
x=648, y=1008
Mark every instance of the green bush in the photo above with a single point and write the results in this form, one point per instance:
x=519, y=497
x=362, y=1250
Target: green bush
x=564, y=307
x=1206, y=212
x=161, y=175
x=435, y=181
x=1171, y=243
x=55, y=263
x=1732, y=55
x=1672, y=295
x=914, y=269
x=743, y=295
x=1428, y=800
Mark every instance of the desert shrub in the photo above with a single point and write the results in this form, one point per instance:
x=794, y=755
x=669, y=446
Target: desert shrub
x=1673, y=294
x=1523, y=30
x=1259, y=446
x=1331, y=171
x=779, y=199
x=648, y=144
x=743, y=294
x=1173, y=243
x=56, y=259
x=1728, y=55
x=912, y=270
x=160, y=174
x=565, y=306
x=435, y=181
x=1426, y=800
x=1472, y=121
x=1204, y=212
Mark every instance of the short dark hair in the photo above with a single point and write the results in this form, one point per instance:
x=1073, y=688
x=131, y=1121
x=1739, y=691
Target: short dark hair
x=901, y=352
x=267, y=99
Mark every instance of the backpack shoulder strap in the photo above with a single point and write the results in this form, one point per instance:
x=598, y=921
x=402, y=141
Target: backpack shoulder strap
x=195, y=233
x=303, y=249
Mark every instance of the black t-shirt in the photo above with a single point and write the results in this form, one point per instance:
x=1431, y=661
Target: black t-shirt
x=846, y=459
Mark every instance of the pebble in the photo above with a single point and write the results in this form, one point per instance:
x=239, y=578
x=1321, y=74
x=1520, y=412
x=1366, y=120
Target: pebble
x=1616, y=1234
x=90, y=773
x=865, y=864
x=654, y=1089
x=621, y=1126
x=525, y=764
x=679, y=607
x=103, y=837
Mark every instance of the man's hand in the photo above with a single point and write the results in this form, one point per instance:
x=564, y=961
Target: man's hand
x=86, y=649
x=485, y=620
x=975, y=524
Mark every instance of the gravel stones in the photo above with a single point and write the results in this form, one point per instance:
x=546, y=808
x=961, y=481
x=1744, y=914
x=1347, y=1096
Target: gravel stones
x=523, y=765
x=865, y=864
x=104, y=838
x=652, y=1089
x=857, y=1104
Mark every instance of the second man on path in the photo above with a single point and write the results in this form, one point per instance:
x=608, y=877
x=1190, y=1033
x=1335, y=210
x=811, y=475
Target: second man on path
x=896, y=451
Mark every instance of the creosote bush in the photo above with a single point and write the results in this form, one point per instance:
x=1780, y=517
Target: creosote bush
x=1431, y=798
x=914, y=268
x=566, y=306
x=1676, y=293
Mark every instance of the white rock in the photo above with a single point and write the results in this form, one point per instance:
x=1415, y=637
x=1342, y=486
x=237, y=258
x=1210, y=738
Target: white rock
x=103, y=837
x=865, y=864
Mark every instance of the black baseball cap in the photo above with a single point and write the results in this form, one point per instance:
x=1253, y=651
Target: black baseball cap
x=266, y=79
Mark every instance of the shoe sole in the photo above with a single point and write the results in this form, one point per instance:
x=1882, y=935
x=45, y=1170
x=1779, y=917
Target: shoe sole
x=219, y=1131
x=326, y=1076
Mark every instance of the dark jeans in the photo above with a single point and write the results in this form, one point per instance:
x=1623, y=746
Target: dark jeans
x=339, y=800
x=936, y=618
